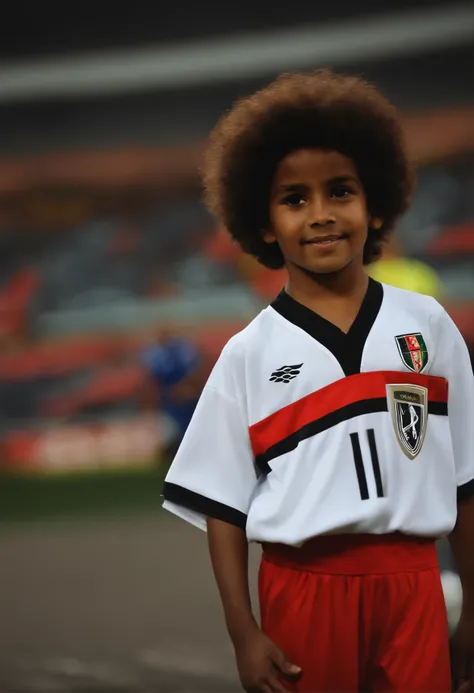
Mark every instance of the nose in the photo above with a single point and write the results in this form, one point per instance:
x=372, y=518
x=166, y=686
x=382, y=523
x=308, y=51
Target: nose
x=320, y=213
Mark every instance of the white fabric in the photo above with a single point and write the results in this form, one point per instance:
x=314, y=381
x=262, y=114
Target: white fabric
x=313, y=489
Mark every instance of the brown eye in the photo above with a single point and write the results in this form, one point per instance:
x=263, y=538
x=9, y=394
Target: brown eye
x=293, y=200
x=342, y=191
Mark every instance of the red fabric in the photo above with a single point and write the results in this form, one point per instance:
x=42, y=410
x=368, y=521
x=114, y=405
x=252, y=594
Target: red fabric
x=341, y=393
x=358, y=613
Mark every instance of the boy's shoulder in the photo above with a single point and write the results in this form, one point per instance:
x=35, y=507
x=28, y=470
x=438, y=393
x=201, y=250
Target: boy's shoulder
x=247, y=337
x=228, y=373
x=417, y=302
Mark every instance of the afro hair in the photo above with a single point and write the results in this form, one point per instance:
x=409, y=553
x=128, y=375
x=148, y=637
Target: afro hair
x=315, y=110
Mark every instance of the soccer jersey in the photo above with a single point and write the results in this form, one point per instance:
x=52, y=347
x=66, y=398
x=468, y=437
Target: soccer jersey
x=304, y=430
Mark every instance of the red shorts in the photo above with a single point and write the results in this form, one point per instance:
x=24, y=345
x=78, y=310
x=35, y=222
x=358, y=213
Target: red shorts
x=358, y=613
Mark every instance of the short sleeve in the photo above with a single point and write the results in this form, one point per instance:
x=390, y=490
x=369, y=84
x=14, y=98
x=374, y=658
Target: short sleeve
x=460, y=404
x=213, y=473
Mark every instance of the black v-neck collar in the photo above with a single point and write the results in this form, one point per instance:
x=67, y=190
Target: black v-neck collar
x=346, y=347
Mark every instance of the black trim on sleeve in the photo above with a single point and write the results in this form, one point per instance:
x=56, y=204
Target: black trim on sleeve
x=465, y=491
x=201, y=504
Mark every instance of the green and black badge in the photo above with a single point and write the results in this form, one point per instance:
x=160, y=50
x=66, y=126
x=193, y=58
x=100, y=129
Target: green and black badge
x=412, y=348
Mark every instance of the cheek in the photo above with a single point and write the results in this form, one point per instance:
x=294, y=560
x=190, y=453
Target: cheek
x=275, y=216
x=358, y=219
x=285, y=222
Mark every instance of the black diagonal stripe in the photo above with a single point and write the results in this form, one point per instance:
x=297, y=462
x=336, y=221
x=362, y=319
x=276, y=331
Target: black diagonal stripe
x=439, y=408
x=201, y=504
x=350, y=411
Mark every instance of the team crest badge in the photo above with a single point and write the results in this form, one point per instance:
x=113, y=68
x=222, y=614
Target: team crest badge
x=409, y=409
x=412, y=348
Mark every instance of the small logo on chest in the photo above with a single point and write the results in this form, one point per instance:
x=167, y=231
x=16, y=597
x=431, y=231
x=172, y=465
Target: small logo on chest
x=285, y=373
x=413, y=351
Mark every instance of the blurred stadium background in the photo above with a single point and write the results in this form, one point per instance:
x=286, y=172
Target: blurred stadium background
x=105, y=245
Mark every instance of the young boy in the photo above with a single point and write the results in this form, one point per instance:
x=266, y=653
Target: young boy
x=325, y=431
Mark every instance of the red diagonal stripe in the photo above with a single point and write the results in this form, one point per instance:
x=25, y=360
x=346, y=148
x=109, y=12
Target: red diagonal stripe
x=354, y=388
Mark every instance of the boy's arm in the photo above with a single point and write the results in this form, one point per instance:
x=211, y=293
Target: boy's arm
x=462, y=546
x=228, y=548
x=454, y=354
x=462, y=642
x=259, y=660
x=210, y=484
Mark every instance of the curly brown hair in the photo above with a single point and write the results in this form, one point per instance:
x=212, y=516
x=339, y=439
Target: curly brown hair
x=321, y=110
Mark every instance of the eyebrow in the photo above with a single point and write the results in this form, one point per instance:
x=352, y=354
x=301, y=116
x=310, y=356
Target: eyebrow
x=348, y=178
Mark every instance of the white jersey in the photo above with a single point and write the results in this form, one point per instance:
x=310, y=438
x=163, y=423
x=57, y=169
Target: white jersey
x=303, y=430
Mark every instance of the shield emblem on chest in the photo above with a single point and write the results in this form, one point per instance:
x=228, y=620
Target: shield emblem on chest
x=409, y=409
x=412, y=349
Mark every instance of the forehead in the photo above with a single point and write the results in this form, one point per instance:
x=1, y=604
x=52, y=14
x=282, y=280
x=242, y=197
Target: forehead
x=304, y=164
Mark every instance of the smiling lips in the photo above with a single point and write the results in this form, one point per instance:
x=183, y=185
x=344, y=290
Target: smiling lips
x=323, y=240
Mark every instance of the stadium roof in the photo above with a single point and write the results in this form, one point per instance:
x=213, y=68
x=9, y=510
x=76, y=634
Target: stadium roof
x=230, y=57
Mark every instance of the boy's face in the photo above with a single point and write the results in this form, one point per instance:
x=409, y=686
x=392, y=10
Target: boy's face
x=318, y=211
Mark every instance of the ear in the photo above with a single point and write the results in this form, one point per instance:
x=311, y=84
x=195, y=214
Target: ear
x=268, y=236
x=375, y=223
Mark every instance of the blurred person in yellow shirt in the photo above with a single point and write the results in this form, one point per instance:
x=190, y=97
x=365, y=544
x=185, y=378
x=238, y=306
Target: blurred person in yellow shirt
x=395, y=269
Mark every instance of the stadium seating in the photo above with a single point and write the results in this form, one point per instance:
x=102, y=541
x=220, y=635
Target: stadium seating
x=108, y=265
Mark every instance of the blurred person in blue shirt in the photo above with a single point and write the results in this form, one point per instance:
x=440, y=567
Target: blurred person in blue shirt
x=176, y=373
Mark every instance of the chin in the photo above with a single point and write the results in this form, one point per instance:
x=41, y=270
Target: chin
x=331, y=264
x=325, y=268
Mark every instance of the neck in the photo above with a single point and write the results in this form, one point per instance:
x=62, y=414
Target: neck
x=311, y=289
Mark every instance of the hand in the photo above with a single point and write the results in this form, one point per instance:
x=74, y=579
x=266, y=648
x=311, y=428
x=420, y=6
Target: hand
x=462, y=655
x=260, y=662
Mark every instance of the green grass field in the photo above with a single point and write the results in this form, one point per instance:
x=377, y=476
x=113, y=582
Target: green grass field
x=36, y=498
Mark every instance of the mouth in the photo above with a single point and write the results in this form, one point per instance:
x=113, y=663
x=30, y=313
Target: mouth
x=329, y=239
